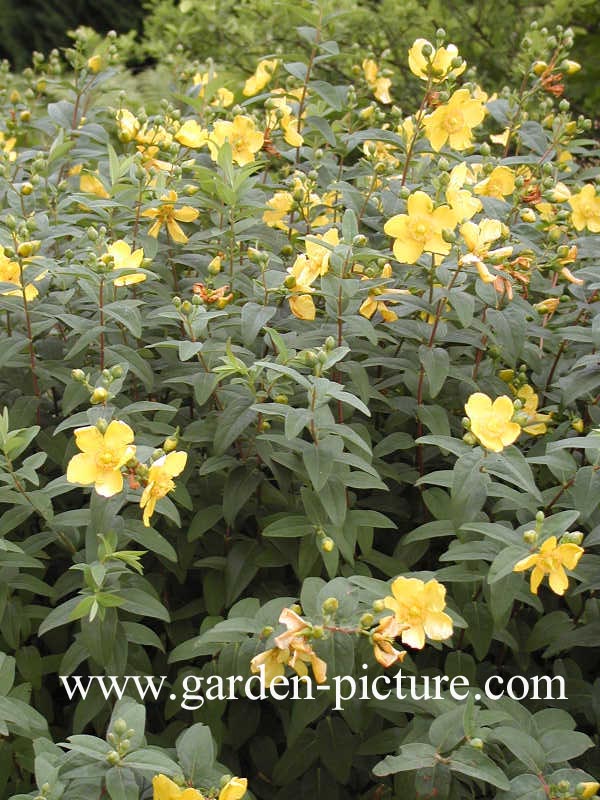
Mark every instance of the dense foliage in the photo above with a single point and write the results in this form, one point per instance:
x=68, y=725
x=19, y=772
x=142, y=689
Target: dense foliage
x=299, y=381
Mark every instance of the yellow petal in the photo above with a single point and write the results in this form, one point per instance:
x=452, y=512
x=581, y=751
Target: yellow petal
x=302, y=306
x=118, y=435
x=89, y=439
x=82, y=469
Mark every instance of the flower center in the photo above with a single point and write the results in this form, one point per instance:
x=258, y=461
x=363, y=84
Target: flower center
x=419, y=229
x=107, y=460
x=454, y=122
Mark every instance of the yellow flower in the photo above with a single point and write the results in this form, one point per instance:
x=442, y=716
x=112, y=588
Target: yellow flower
x=491, y=422
x=279, y=207
x=454, y=121
x=291, y=649
x=438, y=66
x=499, y=183
x=381, y=90
x=10, y=272
x=421, y=229
x=370, y=70
x=296, y=626
x=318, y=254
x=244, y=139
x=587, y=789
x=302, y=274
x=379, y=85
x=382, y=639
x=129, y=125
x=191, y=134
x=303, y=654
x=94, y=63
x=222, y=97
x=234, y=789
x=479, y=236
x=92, y=185
x=102, y=457
x=280, y=115
x=165, y=789
x=274, y=661
x=160, y=481
x=167, y=214
x=262, y=76
x=460, y=200
x=124, y=258
x=419, y=608
x=372, y=304
x=586, y=209
x=7, y=146
x=535, y=424
x=551, y=560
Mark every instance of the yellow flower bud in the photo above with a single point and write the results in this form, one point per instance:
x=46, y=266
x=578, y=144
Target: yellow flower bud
x=99, y=395
x=94, y=63
x=539, y=67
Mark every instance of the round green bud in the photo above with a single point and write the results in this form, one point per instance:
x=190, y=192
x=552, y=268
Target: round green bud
x=476, y=742
x=120, y=726
x=379, y=606
x=330, y=605
x=329, y=343
x=367, y=620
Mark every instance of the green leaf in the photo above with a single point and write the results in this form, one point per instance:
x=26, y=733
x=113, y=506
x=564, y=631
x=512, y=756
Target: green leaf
x=411, y=757
x=436, y=363
x=472, y=762
x=196, y=751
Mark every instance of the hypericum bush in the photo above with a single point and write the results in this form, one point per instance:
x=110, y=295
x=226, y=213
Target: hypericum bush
x=298, y=384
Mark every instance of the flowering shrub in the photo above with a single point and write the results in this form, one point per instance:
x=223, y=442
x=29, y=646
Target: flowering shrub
x=298, y=383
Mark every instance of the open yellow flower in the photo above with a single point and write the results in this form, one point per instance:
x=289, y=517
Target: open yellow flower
x=278, y=208
x=10, y=272
x=245, y=141
x=382, y=639
x=419, y=609
x=234, y=789
x=491, y=422
x=262, y=76
x=453, y=122
x=421, y=229
x=102, y=457
x=191, y=134
x=301, y=276
x=586, y=209
x=124, y=258
x=165, y=789
x=438, y=66
x=167, y=214
x=461, y=200
x=551, y=560
x=160, y=481
x=499, y=183
x=317, y=254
